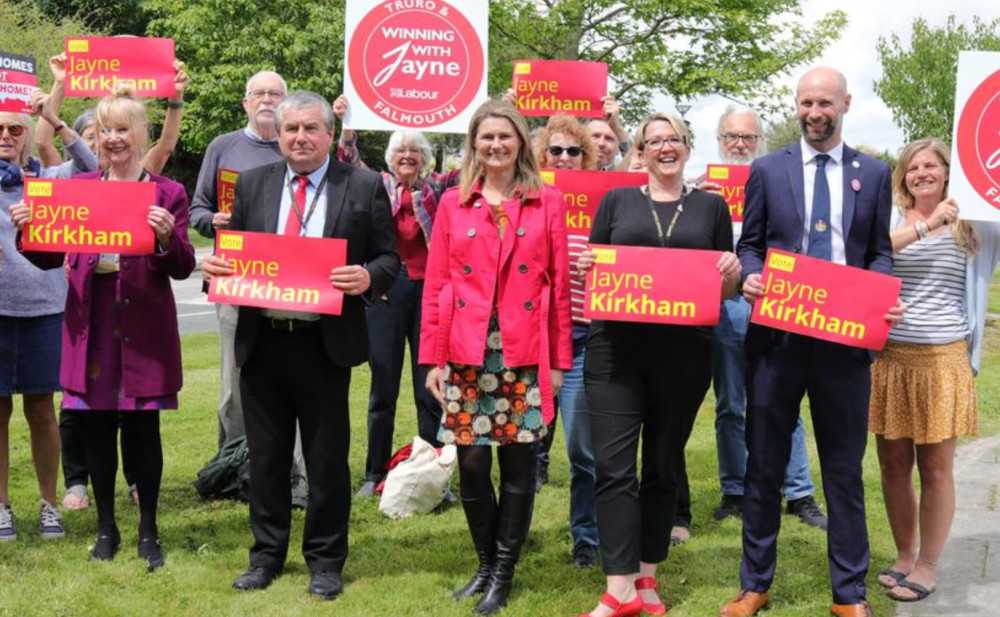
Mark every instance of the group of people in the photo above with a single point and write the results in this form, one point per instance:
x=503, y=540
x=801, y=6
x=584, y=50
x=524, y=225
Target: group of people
x=475, y=270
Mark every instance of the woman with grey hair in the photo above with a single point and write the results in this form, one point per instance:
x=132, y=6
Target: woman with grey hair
x=414, y=190
x=31, y=308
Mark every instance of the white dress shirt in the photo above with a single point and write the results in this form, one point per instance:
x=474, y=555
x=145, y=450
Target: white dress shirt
x=312, y=229
x=835, y=179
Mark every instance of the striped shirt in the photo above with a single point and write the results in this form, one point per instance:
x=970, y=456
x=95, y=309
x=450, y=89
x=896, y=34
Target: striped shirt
x=933, y=275
x=577, y=288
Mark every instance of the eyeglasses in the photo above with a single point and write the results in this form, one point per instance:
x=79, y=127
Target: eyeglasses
x=15, y=130
x=572, y=151
x=732, y=138
x=260, y=94
x=412, y=150
x=658, y=142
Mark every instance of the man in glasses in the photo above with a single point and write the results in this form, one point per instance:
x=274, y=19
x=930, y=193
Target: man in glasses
x=254, y=145
x=741, y=141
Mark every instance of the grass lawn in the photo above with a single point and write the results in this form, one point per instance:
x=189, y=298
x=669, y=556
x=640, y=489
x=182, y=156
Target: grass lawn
x=398, y=568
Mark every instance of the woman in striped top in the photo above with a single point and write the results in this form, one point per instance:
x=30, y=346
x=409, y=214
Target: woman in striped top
x=923, y=393
x=566, y=144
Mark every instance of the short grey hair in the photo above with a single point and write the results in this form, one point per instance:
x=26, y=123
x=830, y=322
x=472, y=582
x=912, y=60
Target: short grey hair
x=735, y=109
x=84, y=120
x=259, y=74
x=304, y=98
x=398, y=138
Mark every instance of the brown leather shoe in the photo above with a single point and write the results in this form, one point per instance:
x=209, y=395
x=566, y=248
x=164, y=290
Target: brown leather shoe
x=745, y=604
x=851, y=610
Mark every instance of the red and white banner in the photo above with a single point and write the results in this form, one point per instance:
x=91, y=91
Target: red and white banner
x=225, y=190
x=824, y=300
x=583, y=191
x=733, y=180
x=975, y=151
x=415, y=64
x=18, y=78
x=89, y=216
x=554, y=87
x=279, y=272
x=95, y=65
x=654, y=285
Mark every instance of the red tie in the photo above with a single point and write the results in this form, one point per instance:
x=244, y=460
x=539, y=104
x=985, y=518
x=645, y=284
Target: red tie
x=293, y=226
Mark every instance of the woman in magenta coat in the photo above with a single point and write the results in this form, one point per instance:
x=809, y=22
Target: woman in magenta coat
x=121, y=355
x=496, y=330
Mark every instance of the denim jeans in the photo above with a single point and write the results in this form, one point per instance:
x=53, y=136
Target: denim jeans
x=579, y=449
x=729, y=383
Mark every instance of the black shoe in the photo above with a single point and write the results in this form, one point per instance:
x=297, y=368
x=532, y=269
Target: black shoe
x=150, y=550
x=367, y=489
x=481, y=515
x=325, y=585
x=808, y=512
x=254, y=578
x=513, y=521
x=106, y=546
x=730, y=506
x=584, y=555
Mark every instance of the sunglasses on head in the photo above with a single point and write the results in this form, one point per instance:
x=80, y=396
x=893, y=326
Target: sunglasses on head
x=573, y=151
x=15, y=130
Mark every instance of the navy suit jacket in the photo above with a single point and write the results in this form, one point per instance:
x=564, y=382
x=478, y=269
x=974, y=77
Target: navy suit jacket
x=774, y=216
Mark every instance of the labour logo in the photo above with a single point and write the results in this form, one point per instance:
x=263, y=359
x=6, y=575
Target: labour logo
x=978, y=139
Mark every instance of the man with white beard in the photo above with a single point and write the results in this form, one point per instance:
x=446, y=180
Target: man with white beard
x=741, y=140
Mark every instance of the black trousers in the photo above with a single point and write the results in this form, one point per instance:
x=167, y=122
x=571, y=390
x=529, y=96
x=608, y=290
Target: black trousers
x=74, y=450
x=838, y=381
x=287, y=378
x=649, y=385
x=390, y=327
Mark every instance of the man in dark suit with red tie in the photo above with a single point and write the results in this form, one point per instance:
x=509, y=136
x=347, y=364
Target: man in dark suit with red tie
x=297, y=366
x=822, y=199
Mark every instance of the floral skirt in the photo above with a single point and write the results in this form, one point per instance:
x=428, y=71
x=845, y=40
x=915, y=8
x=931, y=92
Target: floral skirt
x=923, y=392
x=492, y=404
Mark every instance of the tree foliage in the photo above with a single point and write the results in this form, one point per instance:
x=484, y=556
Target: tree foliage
x=224, y=42
x=782, y=133
x=683, y=48
x=918, y=80
x=109, y=16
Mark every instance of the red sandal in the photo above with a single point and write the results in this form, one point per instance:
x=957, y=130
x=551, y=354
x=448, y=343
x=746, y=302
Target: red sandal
x=631, y=608
x=648, y=582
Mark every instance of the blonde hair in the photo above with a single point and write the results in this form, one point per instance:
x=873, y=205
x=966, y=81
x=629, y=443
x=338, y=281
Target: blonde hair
x=121, y=108
x=676, y=122
x=526, y=178
x=964, y=233
x=29, y=131
x=567, y=125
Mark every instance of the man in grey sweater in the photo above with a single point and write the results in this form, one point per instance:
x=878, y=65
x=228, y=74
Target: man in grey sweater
x=254, y=145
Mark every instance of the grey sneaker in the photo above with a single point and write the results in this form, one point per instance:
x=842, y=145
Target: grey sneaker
x=300, y=492
x=8, y=530
x=50, y=522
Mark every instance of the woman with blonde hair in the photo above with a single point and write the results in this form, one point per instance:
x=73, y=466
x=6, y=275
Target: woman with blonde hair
x=923, y=394
x=496, y=334
x=121, y=359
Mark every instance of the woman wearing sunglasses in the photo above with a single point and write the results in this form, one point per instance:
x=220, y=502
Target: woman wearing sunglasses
x=31, y=306
x=566, y=144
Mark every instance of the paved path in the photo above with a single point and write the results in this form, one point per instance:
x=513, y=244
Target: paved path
x=969, y=580
x=194, y=312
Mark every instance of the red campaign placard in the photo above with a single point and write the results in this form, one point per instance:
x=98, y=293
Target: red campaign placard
x=18, y=78
x=733, y=180
x=977, y=139
x=414, y=64
x=583, y=191
x=279, y=272
x=553, y=87
x=89, y=216
x=95, y=65
x=824, y=300
x=654, y=285
x=225, y=190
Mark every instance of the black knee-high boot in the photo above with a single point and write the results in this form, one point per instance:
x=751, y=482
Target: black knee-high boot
x=481, y=514
x=101, y=449
x=513, y=523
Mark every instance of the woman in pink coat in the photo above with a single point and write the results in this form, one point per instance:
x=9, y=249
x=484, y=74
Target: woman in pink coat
x=496, y=330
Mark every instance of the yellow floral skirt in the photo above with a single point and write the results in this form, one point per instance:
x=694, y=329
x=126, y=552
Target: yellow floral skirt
x=923, y=392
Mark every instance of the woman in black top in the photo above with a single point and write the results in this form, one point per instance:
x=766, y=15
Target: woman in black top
x=648, y=379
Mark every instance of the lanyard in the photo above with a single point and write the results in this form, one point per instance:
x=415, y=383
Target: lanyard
x=665, y=239
x=303, y=222
x=142, y=177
